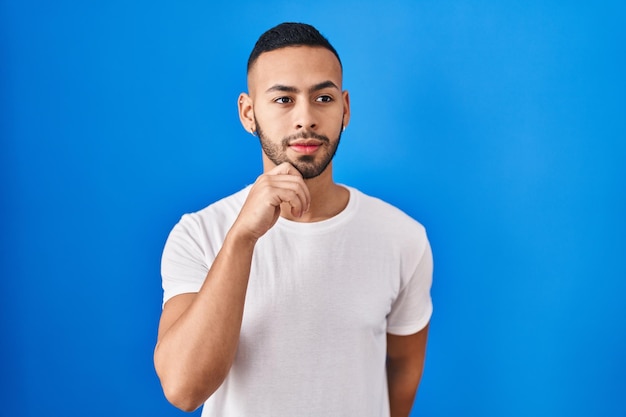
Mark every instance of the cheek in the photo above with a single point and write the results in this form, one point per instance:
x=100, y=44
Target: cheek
x=273, y=125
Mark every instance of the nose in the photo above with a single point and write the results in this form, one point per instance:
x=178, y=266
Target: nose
x=305, y=118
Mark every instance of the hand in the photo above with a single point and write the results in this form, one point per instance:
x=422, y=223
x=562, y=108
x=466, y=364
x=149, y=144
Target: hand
x=283, y=184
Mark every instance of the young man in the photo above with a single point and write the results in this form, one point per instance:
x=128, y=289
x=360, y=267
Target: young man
x=295, y=296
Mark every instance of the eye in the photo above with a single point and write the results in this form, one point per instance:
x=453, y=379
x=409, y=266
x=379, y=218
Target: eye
x=324, y=99
x=283, y=100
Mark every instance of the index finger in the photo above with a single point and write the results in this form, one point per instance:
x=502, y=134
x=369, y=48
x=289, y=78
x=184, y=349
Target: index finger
x=284, y=169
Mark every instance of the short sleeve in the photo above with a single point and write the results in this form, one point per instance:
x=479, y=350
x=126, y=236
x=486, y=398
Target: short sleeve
x=412, y=309
x=183, y=263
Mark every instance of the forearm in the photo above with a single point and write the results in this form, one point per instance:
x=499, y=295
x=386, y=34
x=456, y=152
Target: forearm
x=402, y=383
x=405, y=365
x=194, y=354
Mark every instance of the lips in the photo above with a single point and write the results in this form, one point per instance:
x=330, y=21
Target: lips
x=305, y=146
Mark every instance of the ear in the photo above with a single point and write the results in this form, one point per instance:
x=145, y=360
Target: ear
x=346, y=108
x=246, y=112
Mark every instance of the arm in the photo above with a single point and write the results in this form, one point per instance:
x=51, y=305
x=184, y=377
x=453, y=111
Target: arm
x=405, y=363
x=199, y=333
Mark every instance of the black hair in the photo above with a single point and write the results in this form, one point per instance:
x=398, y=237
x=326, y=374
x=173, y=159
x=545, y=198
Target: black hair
x=289, y=34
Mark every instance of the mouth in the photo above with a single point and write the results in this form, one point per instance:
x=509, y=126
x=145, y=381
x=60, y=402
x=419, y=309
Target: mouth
x=305, y=146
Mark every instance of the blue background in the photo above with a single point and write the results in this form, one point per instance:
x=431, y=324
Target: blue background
x=501, y=126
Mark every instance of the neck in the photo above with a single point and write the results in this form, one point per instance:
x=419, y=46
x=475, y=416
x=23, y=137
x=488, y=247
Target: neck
x=327, y=199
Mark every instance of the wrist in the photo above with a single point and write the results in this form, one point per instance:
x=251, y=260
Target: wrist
x=240, y=239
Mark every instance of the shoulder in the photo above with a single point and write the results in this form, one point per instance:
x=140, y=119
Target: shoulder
x=391, y=227
x=381, y=214
x=213, y=220
x=200, y=234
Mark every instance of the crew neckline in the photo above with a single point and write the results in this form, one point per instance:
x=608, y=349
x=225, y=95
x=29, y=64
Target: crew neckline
x=323, y=225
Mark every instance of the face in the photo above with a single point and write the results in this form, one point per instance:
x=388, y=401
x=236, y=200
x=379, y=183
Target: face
x=297, y=107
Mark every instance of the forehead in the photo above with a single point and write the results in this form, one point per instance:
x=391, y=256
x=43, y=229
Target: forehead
x=297, y=66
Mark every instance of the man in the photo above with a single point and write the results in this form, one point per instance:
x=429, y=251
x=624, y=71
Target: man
x=296, y=296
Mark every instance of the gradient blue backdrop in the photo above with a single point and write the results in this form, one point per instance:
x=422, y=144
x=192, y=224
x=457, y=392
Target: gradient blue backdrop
x=499, y=125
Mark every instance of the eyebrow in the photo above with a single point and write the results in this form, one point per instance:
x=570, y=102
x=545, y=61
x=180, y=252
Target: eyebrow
x=290, y=89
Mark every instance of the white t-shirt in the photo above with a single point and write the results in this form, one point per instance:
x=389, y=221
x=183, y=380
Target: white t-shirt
x=321, y=298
